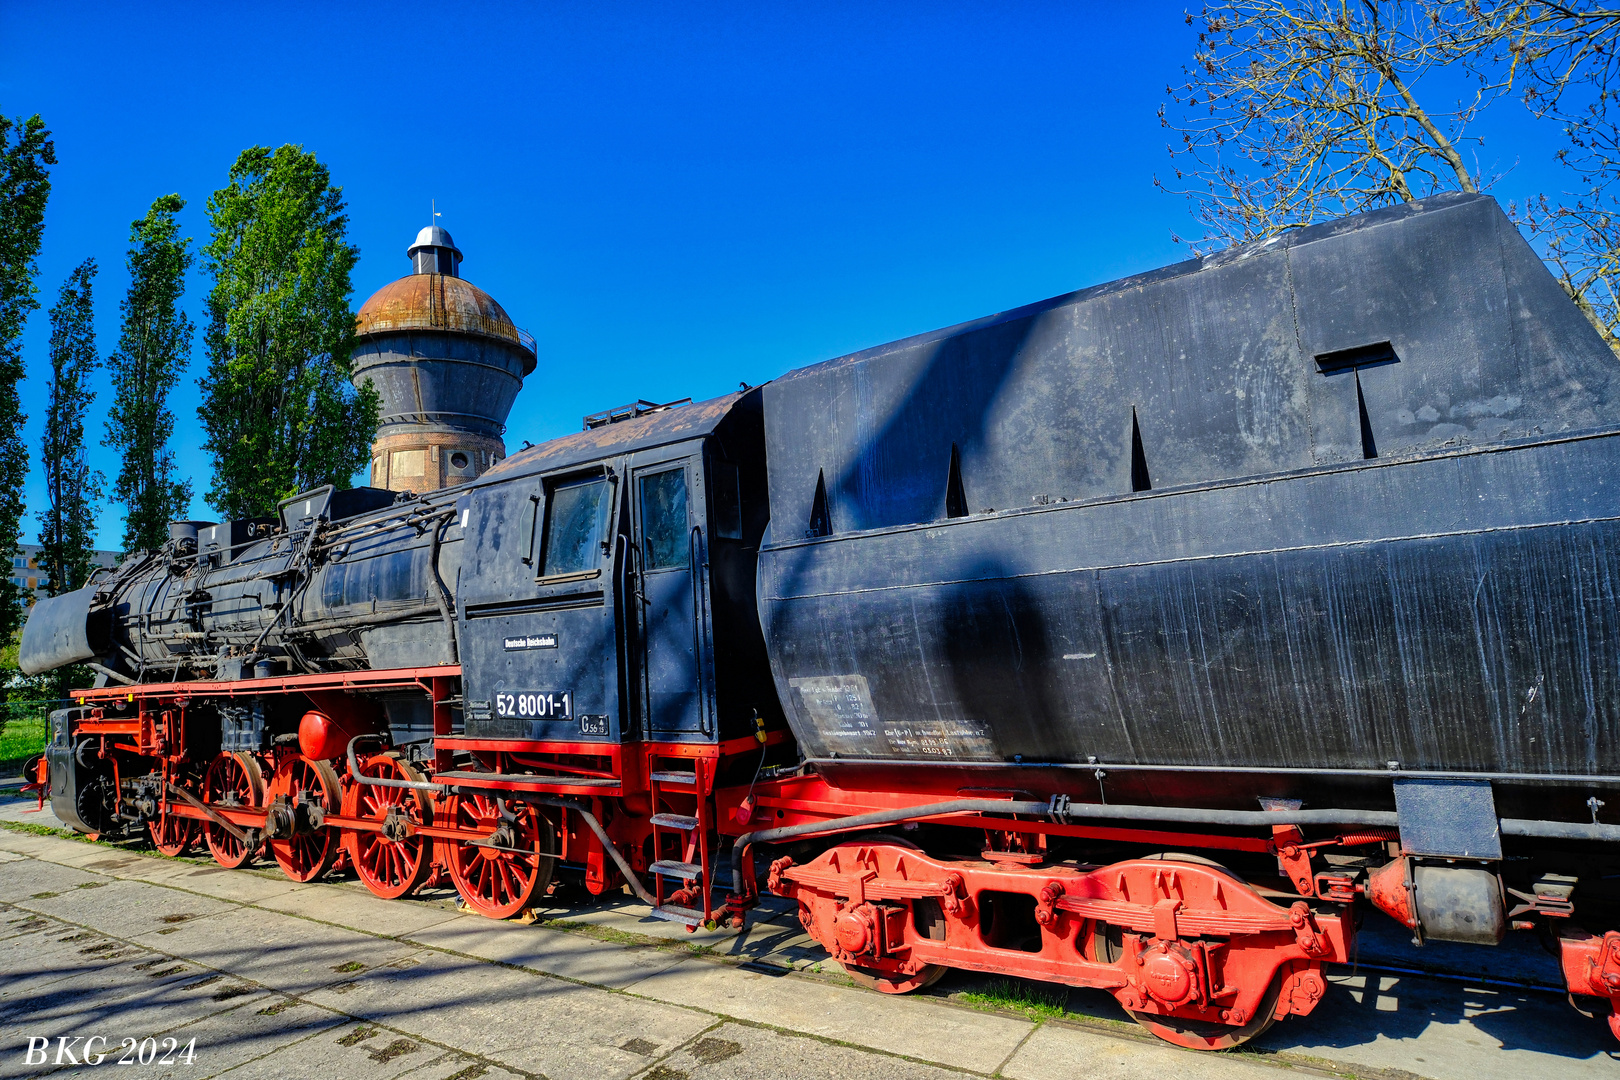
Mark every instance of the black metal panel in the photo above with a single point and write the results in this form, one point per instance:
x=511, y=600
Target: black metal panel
x=1276, y=600
x=1343, y=618
x=1448, y=818
x=1213, y=362
x=58, y=632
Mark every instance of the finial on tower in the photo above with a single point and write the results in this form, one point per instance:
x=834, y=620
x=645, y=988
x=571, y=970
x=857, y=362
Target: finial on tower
x=434, y=252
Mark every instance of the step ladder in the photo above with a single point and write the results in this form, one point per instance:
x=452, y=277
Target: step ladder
x=684, y=783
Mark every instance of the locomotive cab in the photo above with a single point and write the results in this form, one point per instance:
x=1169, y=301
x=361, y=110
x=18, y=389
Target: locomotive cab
x=607, y=589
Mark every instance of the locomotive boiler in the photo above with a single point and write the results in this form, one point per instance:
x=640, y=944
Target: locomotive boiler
x=1301, y=556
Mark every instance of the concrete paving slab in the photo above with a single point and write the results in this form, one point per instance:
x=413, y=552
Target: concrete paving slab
x=913, y=1027
x=385, y=1055
x=782, y=944
x=292, y=955
x=529, y=1022
x=23, y=812
x=231, y=1037
x=213, y=1043
x=28, y=844
x=96, y=857
x=125, y=908
x=33, y=965
x=630, y=915
x=554, y=952
x=357, y=910
x=140, y=998
x=1449, y=1031
x=216, y=881
x=465, y=1012
x=1063, y=1052
x=42, y=877
x=739, y=1052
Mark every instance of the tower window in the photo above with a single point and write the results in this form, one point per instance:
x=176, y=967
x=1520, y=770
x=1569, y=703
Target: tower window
x=458, y=460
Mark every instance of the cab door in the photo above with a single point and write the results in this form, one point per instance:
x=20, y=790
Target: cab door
x=672, y=563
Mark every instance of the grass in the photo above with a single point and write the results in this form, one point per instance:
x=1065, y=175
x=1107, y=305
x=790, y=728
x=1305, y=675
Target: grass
x=1035, y=1002
x=40, y=830
x=21, y=738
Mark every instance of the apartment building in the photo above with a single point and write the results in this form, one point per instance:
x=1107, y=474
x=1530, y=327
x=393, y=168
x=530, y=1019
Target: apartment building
x=28, y=574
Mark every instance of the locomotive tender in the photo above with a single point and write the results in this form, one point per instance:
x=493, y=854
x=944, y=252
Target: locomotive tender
x=1302, y=557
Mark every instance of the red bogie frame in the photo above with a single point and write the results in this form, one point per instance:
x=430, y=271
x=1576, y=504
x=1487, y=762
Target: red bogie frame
x=1192, y=951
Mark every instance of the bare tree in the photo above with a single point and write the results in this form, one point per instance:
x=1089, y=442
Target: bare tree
x=1294, y=111
x=1571, y=74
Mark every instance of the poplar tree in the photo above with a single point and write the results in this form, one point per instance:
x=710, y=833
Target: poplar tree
x=26, y=151
x=65, y=533
x=153, y=349
x=279, y=414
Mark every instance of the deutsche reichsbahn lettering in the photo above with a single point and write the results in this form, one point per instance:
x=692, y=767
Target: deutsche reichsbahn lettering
x=531, y=641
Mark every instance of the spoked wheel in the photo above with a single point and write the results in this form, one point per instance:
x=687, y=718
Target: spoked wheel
x=310, y=852
x=174, y=835
x=500, y=876
x=887, y=983
x=1198, y=1035
x=390, y=867
x=233, y=780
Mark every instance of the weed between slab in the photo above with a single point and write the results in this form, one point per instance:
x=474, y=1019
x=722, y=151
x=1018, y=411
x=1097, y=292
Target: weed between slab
x=395, y=1049
x=1018, y=997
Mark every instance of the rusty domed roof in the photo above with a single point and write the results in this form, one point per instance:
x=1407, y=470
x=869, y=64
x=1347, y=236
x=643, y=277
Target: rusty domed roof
x=439, y=302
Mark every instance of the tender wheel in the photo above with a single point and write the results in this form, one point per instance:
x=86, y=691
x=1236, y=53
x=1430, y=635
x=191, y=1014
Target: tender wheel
x=900, y=984
x=173, y=835
x=499, y=878
x=1197, y=1035
x=312, y=849
x=391, y=868
x=233, y=779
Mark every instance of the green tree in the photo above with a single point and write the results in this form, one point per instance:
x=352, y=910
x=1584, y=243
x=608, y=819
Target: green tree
x=153, y=349
x=68, y=547
x=279, y=413
x=26, y=151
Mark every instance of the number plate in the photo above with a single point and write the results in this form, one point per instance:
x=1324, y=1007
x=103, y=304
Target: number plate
x=593, y=725
x=536, y=704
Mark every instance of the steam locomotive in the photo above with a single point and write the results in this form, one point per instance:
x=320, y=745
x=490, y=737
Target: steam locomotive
x=1136, y=639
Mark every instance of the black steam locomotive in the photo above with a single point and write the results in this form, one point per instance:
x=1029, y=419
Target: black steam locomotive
x=1303, y=555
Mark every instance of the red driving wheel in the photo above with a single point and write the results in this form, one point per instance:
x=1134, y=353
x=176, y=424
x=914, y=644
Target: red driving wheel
x=499, y=876
x=312, y=849
x=234, y=779
x=390, y=865
x=173, y=835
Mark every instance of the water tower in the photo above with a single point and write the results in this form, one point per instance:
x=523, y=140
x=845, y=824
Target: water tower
x=448, y=362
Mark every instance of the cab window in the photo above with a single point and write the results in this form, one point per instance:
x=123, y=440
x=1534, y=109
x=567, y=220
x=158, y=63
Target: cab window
x=663, y=519
x=576, y=526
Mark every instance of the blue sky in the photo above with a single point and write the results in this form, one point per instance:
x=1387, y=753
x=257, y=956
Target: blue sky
x=671, y=198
